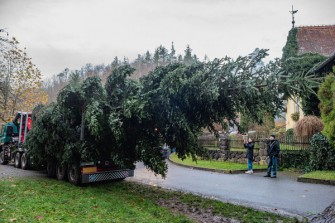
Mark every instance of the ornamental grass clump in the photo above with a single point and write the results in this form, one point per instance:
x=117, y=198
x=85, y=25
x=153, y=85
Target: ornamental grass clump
x=308, y=126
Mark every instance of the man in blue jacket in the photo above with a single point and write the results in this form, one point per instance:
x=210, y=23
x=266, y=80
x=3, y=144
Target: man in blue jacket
x=273, y=150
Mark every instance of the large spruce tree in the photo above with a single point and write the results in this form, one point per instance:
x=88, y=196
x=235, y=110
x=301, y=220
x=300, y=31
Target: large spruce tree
x=127, y=120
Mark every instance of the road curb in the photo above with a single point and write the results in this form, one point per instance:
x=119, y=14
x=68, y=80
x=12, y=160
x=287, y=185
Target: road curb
x=215, y=170
x=316, y=181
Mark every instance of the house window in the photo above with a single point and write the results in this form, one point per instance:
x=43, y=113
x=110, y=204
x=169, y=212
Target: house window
x=297, y=105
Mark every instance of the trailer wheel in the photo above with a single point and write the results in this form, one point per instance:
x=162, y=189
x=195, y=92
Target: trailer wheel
x=3, y=161
x=24, y=161
x=61, y=172
x=51, y=170
x=74, y=174
x=17, y=160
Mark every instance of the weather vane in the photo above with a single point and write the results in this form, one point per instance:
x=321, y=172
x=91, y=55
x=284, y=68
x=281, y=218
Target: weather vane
x=293, y=12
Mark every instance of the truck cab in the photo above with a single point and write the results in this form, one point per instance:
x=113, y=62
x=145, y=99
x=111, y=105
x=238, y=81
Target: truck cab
x=9, y=136
x=12, y=137
x=8, y=132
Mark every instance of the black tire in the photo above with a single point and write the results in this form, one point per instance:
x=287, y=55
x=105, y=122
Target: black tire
x=3, y=161
x=51, y=170
x=73, y=174
x=17, y=160
x=24, y=161
x=61, y=172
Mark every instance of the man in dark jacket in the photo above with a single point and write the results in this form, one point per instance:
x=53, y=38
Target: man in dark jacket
x=273, y=150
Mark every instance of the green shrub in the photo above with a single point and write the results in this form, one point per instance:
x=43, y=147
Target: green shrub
x=326, y=96
x=290, y=132
x=294, y=159
x=322, y=153
x=289, y=136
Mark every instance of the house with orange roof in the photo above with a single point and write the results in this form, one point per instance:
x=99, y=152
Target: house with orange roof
x=309, y=39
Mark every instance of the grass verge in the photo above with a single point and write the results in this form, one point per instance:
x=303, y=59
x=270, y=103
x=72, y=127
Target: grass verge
x=47, y=200
x=320, y=175
x=241, y=149
x=213, y=164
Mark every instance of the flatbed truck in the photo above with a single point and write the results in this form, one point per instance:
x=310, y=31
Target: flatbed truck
x=13, y=150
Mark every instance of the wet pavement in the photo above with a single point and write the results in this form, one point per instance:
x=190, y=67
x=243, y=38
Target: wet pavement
x=9, y=171
x=281, y=195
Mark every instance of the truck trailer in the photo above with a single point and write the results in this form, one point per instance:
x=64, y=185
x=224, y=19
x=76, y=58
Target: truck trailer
x=13, y=150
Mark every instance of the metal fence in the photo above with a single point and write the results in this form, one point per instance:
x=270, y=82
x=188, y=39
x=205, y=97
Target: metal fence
x=235, y=142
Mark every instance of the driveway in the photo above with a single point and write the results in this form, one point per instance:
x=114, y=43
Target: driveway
x=282, y=195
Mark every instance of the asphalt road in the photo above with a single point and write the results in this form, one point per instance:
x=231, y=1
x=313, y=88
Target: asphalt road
x=283, y=195
x=8, y=171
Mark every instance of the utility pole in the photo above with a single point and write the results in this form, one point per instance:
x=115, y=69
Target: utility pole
x=293, y=12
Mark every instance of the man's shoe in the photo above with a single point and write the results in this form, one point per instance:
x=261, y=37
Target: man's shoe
x=248, y=172
x=274, y=177
x=251, y=172
x=267, y=176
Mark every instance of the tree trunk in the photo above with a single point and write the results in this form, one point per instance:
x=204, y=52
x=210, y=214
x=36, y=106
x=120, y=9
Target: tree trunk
x=82, y=127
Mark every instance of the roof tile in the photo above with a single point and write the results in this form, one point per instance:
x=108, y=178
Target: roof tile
x=316, y=39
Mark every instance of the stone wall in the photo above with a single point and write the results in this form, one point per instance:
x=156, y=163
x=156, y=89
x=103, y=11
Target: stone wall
x=287, y=158
x=262, y=153
x=238, y=156
x=233, y=156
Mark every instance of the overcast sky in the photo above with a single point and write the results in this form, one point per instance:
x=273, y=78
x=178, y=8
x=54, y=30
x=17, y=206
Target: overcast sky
x=71, y=33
